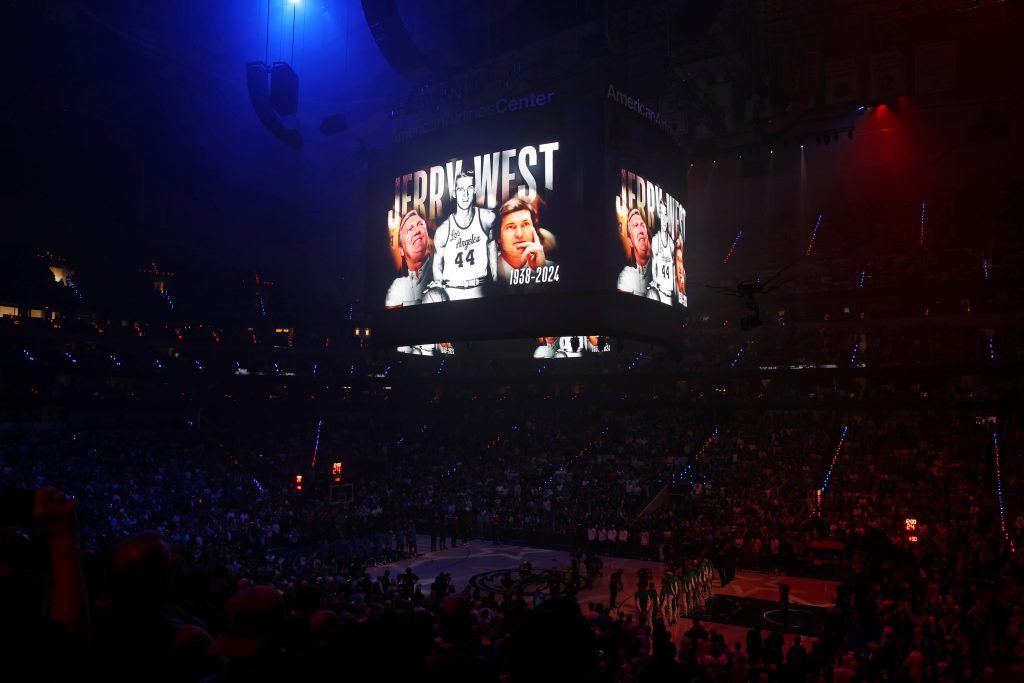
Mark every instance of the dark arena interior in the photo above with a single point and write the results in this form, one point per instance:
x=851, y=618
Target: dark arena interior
x=618, y=341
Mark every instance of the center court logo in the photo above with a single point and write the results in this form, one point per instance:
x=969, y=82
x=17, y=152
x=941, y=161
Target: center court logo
x=494, y=581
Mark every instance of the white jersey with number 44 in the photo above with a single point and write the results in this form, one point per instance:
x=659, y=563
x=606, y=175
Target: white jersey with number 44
x=664, y=263
x=465, y=251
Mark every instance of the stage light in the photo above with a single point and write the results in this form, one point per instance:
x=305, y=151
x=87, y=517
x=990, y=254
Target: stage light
x=294, y=2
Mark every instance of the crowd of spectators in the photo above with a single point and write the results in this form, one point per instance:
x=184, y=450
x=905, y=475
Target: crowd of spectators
x=663, y=483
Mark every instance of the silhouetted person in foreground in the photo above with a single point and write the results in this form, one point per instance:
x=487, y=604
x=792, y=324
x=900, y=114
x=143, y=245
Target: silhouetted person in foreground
x=553, y=644
x=135, y=638
x=44, y=643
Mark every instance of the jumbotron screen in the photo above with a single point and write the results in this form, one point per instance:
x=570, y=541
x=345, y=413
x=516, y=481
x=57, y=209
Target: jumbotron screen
x=536, y=203
x=486, y=239
x=571, y=347
x=480, y=211
x=651, y=225
x=645, y=182
x=574, y=346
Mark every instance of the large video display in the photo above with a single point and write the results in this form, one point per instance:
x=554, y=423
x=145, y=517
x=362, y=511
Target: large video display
x=438, y=349
x=646, y=182
x=475, y=227
x=571, y=347
x=501, y=222
x=651, y=225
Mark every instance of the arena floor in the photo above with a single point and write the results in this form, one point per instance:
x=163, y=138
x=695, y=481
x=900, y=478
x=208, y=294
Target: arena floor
x=750, y=601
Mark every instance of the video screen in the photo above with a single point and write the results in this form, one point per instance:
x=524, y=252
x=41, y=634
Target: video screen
x=651, y=225
x=571, y=347
x=438, y=349
x=512, y=215
x=474, y=227
x=543, y=348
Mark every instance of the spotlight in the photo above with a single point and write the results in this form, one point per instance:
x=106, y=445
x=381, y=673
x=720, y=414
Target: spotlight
x=294, y=2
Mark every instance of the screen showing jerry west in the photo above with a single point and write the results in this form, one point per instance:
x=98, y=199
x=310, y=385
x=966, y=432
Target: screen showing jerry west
x=645, y=207
x=523, y=223
x=651, y=225
x=473, y=216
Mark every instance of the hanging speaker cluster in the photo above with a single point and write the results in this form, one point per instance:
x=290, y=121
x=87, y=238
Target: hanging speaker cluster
x=274, y=92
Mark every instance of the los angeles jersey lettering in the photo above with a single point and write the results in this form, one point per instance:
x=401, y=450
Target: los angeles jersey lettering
x=466, y=252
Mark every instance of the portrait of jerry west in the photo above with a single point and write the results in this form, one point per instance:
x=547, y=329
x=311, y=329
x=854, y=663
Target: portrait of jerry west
x=524, y=262
x=413, y=251
x=518, y=253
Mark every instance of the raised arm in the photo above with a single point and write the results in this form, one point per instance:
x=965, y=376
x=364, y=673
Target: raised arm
x=68, y=599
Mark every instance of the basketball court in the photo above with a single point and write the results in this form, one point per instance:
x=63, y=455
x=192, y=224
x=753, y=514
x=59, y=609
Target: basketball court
x=749, y=601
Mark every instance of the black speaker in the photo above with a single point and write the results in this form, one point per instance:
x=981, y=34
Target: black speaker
x=256, y=75
x=284, y=89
